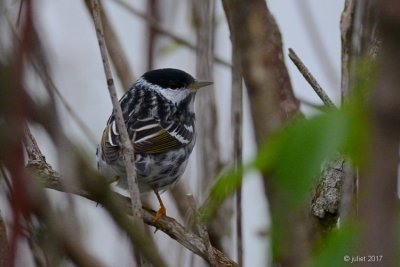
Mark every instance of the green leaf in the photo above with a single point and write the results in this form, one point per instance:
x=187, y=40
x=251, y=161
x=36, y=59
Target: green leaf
x=356, y=145
x=225, y=186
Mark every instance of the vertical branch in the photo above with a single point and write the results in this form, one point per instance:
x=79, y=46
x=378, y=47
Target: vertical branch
x=378, y=198
x=366, y=30
x=237, y=118
x=349, y=189
x=346, y=33
x=208, y=149
x=125, y=142
x=272, y=101
x=359, y=27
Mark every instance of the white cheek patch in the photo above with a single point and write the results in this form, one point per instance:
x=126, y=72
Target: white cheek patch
x=176, y=96
x=173, y=95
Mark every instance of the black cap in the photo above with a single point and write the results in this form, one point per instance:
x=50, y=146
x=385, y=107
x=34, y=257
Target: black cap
x=169, y=78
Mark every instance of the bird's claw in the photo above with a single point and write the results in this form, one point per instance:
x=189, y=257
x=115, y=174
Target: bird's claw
x=160, y=213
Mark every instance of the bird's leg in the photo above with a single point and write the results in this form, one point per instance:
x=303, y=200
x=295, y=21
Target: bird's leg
x=162, y=211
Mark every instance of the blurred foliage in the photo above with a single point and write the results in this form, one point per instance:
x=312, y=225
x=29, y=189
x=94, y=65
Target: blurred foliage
x=338, y=248
x=170, y=48
x=364, y=78
x=299, y=150
x=294, y=155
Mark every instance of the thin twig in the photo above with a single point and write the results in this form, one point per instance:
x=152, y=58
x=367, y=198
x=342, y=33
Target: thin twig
x=31, y=146
x=310, y=79
x=126, y=144
x=162, y=30
x=311, y=104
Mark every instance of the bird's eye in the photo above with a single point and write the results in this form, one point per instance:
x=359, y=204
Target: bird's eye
x=174, y=84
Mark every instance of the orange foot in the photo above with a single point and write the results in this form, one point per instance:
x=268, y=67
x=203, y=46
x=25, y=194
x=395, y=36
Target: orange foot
x=162, y=211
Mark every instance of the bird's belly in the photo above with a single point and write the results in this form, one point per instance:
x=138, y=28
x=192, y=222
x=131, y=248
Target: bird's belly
x=154, y=171
x=159, y=171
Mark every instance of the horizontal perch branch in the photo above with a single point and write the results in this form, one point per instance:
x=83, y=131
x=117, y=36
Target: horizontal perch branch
x=49, y=178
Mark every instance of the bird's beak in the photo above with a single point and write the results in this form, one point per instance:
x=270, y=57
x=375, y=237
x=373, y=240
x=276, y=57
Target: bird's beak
x=197, y=85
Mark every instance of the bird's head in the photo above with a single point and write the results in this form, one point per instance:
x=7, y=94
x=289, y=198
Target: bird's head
x=173, y=84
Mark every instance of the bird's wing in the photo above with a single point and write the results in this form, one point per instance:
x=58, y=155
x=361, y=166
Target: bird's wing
x=109, y=144
x=148, y=136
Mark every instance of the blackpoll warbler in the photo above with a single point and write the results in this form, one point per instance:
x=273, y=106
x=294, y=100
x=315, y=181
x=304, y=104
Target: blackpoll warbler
x=158, y=113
